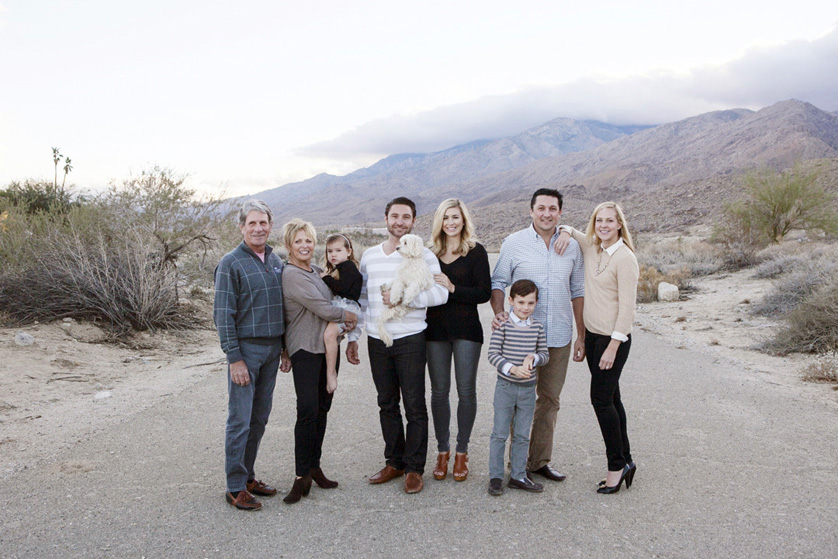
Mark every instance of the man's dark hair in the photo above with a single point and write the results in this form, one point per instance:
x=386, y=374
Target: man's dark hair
x=401, y=201
x=546, y=192
x=522, y=288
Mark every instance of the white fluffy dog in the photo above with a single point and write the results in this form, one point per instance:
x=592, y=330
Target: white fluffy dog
x=412, y=277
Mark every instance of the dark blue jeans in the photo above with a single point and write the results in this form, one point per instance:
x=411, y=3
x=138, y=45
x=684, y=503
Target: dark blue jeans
x=605, y=398
x=248, y=408
x=399, y=373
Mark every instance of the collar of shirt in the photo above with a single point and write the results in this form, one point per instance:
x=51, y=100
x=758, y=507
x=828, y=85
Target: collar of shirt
x=538, y=237
x=515, y=320
x=613, y=248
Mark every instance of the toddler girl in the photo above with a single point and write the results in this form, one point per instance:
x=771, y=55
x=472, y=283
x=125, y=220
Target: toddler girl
x=344, y=279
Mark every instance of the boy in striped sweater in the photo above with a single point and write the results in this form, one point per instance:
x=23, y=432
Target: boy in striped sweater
x=516, y=348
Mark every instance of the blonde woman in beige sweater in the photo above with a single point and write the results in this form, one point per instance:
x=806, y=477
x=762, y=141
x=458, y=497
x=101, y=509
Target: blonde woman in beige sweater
x=611, y=274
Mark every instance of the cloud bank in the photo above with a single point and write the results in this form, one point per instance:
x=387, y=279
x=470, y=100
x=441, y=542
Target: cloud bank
x=804, y=70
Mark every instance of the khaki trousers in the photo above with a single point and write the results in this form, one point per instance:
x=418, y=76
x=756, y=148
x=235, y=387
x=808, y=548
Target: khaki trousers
x=551, y=379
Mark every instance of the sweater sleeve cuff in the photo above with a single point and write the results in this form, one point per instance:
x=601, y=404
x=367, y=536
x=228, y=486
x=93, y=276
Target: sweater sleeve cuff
x=618, y=336
x=234, y=356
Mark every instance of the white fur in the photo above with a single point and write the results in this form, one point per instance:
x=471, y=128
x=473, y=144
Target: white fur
x=412, y=277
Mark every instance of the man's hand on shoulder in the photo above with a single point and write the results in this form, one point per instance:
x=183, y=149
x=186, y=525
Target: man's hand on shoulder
x=499, y=319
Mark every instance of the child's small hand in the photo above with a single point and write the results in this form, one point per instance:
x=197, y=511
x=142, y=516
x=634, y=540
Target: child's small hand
x=518, y=371
x=528, y=362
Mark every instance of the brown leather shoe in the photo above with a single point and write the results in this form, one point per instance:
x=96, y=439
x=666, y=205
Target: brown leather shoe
x=385, y=475
x=441, y=469
x=413, y=482
x=258, y=488
x=460, y=466
x=244, y=501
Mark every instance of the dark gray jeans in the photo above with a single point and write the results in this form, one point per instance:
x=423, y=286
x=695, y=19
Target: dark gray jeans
x=248, y=408
x=466, y=356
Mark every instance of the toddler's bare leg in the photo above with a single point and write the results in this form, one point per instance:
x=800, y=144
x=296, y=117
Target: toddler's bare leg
x=330, y=337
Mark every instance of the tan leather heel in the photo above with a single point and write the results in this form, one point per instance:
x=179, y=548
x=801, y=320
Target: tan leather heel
x=441, y=469
x=460, y=466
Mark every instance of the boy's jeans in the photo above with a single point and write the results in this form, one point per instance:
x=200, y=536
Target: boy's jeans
x=514, y=406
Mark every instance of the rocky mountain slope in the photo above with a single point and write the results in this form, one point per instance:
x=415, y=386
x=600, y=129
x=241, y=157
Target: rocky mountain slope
x=669, y=177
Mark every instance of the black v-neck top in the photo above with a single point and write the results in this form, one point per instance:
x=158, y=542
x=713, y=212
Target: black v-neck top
x=458, y=319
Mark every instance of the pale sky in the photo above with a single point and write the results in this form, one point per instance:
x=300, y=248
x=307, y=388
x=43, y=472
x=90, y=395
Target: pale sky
x=252, y=94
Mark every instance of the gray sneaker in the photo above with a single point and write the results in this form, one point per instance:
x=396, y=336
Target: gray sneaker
x=495, y=486
x=526, y=484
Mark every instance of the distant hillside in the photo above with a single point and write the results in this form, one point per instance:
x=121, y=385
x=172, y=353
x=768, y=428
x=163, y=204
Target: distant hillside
x=411, y=174
x=669, y=177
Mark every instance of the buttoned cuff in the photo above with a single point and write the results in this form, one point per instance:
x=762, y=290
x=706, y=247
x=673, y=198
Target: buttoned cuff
x=506, y=368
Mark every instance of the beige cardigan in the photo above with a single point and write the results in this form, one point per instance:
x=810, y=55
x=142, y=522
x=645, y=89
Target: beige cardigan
x=611, y=296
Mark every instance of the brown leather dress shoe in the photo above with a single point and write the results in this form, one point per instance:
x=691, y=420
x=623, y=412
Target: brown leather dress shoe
x=460, y=466
x=441, y=469
x=258, y=488
x=413, y=482
x=244, y=501
x=385, y=475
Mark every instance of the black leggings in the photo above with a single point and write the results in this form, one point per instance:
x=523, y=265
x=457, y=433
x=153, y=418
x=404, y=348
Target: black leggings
x=313, y=404
x=605, y=397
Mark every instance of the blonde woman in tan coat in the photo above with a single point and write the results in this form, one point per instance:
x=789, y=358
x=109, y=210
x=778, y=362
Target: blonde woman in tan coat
x=611, y=275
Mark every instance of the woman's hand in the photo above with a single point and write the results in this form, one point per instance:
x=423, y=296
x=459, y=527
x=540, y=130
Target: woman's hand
x=443, y=280
x=562, y=242
x=609, y=355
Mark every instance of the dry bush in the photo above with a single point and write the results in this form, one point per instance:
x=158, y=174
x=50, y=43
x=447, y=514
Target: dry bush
x=651, y=277
x=813, y=324
x=96, y=276
x=775, y=267
x=823, y=369
x=698, y=256
x=794, y=287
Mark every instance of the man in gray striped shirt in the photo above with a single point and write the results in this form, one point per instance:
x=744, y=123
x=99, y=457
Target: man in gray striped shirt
x=528, y=254
x=398, y=371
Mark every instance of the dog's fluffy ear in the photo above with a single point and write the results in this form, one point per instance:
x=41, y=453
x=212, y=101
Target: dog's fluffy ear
x=411, y=245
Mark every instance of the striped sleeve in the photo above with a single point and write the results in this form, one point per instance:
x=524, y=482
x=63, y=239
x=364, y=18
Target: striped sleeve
x=542, y=354
x=495, y=354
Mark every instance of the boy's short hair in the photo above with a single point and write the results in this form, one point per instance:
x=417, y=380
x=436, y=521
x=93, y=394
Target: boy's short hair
x=522, y=288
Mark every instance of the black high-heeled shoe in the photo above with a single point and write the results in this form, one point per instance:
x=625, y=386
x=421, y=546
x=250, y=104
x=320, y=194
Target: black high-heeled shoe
x=606, y=490
x=630, y=475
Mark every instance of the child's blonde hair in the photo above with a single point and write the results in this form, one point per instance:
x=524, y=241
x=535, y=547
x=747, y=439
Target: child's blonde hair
x=331, y=270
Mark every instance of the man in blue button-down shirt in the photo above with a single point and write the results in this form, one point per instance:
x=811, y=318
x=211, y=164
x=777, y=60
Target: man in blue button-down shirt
x=528, y=254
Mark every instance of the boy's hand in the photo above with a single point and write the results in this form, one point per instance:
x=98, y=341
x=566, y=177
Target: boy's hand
x=528, y=362
x=518, y=371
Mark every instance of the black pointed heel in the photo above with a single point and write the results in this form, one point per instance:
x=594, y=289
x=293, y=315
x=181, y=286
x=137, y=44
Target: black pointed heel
x=606, y=490
x=630, y=474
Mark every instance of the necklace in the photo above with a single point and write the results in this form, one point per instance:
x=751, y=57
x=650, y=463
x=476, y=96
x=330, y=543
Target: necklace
x=598, y=271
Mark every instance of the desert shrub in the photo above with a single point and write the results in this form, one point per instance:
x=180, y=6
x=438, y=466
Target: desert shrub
x=738, y=236
x=109, y=279
x=699, y=257
x=651, y=277
x=792, y=288
x=813, y=324
x=775, y=267
x=823, y=369
x=31, y=197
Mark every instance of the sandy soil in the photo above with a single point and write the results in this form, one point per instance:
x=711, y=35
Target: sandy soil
x=69, y=384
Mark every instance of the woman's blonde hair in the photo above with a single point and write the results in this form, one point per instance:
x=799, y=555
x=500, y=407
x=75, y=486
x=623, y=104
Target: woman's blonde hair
x=438, y=236
x=290, y=230
x=621, y=218
x=347, y=244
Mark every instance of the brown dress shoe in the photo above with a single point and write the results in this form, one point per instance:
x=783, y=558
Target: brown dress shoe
x=460, y=466
x=385, y=475
x=258, y=488
x=441, y=469
x=244, y=501
x=413, y=482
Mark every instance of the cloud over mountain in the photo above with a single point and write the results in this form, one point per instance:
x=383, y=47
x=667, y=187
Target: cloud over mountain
x=800, y=69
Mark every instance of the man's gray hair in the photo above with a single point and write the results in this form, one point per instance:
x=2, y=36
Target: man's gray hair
x=257, y=205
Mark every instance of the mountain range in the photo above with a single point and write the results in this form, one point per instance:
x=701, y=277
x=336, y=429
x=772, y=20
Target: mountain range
x=668, y=177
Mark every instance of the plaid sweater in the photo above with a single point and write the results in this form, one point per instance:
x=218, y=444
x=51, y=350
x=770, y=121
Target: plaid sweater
x=248, y=298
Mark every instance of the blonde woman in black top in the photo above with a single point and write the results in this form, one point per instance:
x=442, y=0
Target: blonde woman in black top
x=454, y=330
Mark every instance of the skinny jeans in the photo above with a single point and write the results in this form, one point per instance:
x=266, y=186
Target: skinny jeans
x=313, y=405
x=605, y=398
x=398, y=372
x=466, y=354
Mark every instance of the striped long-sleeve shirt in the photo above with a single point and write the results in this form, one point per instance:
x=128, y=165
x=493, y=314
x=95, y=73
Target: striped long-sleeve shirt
x=512, y=342
x=378, y=268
